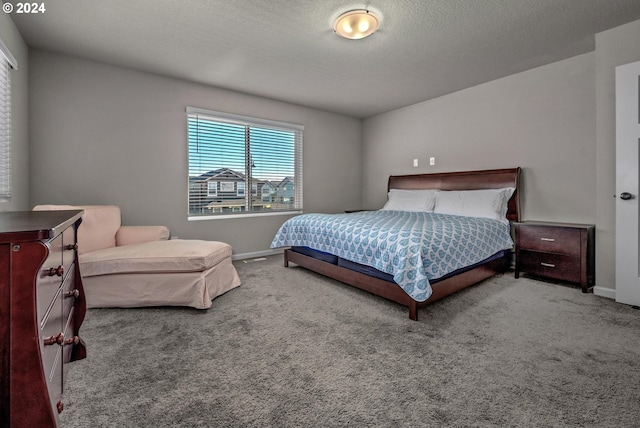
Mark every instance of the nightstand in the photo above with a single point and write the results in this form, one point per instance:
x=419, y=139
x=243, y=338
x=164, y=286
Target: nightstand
x=560, y=251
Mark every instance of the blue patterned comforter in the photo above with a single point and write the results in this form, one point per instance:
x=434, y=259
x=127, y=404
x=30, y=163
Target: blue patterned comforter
x=414, y=247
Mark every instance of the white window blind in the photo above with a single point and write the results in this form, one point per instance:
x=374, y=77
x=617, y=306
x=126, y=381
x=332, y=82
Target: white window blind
x=231, y=153
x=6, y=62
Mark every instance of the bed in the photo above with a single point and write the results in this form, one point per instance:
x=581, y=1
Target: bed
x=346, y=247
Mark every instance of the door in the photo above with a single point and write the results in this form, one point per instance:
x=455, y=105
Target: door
x=627, y=183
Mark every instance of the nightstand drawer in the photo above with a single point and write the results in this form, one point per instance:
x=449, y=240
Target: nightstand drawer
x=550, y=239
x=557, y=266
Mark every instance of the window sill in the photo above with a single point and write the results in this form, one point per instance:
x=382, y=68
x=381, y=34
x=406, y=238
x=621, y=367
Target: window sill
x=227, y=216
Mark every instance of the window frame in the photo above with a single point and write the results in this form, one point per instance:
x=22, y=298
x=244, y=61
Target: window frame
x=6, y=142
x=241, y=185
x=212, y=191
x=235, y=119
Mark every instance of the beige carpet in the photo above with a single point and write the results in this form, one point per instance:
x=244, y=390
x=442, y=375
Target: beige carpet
x=290, y=348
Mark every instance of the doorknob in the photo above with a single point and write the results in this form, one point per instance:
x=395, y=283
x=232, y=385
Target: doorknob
x=625, y=196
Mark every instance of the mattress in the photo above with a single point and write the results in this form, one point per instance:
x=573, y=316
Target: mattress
x=316, y=254
x=371, y=271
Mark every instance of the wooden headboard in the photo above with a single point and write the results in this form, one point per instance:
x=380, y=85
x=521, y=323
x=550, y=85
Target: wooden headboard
x=465, y=180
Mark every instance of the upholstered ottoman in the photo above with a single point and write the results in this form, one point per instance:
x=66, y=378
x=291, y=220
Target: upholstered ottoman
x=158, y=273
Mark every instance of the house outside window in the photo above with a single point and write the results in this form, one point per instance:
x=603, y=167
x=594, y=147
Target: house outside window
x=230, y=154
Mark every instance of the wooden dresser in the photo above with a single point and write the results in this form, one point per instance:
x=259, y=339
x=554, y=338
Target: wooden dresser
x=559, y=251
x=42, y=306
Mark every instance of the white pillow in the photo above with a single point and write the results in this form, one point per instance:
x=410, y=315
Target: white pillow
x=486, y=203
x=411, y=200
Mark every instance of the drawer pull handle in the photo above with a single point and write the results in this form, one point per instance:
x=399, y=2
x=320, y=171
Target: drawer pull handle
x=547, y=265
x=548, y=239
x=72, y=340
x=73, y=293
x=52, y=340
x=59, y=271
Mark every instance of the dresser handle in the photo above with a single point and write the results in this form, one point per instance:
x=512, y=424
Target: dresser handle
x=52, y=340
x=72, y=340
x=548, y=239
x=59, y=271
x=547, y=264
x=73, y=293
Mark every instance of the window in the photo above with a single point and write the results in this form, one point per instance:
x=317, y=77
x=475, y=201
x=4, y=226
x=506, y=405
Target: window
x=212, y=187
x=7, y=61
x=231, y=154
x=227, y=186
x=240, y=188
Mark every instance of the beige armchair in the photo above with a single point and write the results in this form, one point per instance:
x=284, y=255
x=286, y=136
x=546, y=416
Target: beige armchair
x=133, y=266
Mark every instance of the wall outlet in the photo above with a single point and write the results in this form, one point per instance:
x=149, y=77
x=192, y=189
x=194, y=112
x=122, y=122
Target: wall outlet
x=415, y=163
x=432, y=161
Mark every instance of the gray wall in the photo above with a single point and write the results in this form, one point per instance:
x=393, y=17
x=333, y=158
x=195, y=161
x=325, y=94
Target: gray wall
x=614, y=47
x=542, y=120
x=107, y=135
x=19, y=116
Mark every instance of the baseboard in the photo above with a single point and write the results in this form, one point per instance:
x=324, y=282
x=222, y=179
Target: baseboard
x=256, y=254
x=609, y=293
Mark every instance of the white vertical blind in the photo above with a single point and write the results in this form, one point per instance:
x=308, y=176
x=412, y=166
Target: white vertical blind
x=243, y=165
x=6, y=61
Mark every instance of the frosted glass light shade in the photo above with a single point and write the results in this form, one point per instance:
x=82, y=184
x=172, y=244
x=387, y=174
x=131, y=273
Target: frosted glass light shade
x=356, y=24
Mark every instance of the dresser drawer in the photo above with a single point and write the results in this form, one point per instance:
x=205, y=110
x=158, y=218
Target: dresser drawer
x=55, y=385
x=69, y=295
x=47, y=289
x=50, y=339
x=68, y=249
x=69, y=339
x=557, y=266
x=55, y=252
x=550, y=239
x=50, y=276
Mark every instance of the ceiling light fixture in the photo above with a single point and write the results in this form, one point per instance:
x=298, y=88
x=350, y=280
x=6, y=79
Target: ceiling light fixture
x=356, y=24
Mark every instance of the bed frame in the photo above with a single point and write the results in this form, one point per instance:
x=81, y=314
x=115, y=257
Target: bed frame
x=467, y=180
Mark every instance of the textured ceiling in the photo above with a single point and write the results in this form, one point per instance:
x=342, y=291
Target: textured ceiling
x=286, y=49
